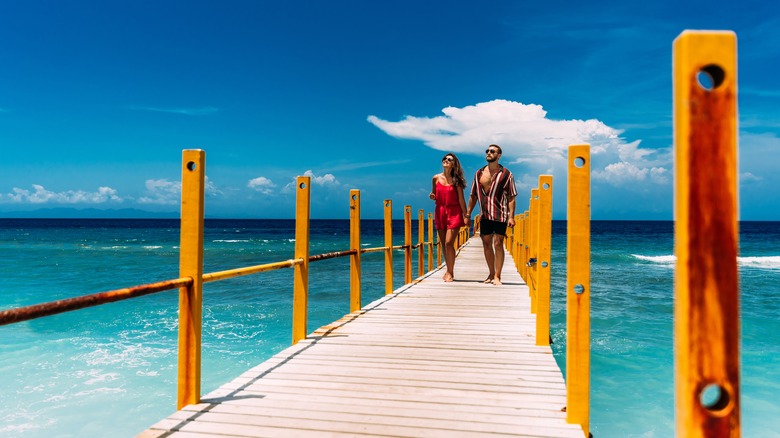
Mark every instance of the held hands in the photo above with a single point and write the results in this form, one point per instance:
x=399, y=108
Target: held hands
x=511, y=222
x=432, y=196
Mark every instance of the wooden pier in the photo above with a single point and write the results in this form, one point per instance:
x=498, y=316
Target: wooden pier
x=432, y=359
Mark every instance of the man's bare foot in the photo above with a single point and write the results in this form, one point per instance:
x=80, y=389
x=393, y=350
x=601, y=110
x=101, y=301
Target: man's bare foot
x=488, y=280
x=496, y=281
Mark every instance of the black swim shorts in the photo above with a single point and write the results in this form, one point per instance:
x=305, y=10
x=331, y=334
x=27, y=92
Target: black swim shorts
x=487, y=227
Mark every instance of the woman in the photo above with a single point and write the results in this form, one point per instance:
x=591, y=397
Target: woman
x=447, y=191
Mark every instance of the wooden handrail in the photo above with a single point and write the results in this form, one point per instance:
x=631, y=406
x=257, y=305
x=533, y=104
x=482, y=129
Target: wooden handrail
x=27, y=313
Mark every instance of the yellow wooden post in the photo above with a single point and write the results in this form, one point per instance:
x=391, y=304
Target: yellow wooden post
x=191, y=265
x=301, y=270
x=430, y=241
x=516, y=244
x=407, y=244
x=521, y=247
x=354, y=244
x=439, y=245
x=519, y=237
x=544, y=260
x=534, y=230
x=389, y=245
x=706, y=310
x=510, y=239
x=578, y=288
x=513, y=248
x=527, y=242
x=420, y=240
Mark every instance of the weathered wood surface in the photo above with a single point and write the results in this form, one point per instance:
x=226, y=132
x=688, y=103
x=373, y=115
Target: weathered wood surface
x=433, y=359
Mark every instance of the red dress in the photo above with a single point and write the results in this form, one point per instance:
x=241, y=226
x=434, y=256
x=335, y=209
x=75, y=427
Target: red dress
x=448, y=214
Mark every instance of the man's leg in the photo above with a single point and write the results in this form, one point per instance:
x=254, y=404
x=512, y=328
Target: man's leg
x=498, y=248
x=487, y=246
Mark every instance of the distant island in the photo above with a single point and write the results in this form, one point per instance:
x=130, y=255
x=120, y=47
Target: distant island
x=88, y=213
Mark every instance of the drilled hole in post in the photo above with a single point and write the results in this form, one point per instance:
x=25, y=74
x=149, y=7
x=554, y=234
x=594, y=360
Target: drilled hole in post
x=354, y=197
x=302, y=185
x=546, y=186
x=191, y=166
x=579, y=162
x=710, y=77
x=714, y=398
x=579, y=289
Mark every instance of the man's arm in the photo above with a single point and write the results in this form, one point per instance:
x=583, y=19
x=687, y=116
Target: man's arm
x=511, y=221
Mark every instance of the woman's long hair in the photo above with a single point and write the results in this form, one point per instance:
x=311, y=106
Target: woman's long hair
x=458, y=180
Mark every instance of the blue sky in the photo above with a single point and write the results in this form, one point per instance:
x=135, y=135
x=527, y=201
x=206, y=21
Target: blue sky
x=98, y=98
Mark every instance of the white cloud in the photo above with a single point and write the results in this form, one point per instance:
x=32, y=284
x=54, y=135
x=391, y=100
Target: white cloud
x=621, y=173
x=164, y=192
x=527, y=136
x=42, y=196
x=262, y=185
x=748, y=177
x=327, y=180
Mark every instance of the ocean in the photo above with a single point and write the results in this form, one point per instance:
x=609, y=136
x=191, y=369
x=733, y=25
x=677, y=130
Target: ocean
x=111, y=369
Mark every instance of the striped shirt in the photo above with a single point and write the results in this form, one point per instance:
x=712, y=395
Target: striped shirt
x=495, y=203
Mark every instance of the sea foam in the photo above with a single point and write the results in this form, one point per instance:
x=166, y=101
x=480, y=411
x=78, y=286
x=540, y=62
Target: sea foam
x=767, y=262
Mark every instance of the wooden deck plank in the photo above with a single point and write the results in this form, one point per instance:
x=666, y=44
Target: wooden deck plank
x=433, y=359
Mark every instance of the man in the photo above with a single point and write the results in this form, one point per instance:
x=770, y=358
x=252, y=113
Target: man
x=494, y=187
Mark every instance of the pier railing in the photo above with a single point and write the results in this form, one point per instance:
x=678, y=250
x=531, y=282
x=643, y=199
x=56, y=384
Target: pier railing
x=706, y=241
x=191, y=275
x=706, y=311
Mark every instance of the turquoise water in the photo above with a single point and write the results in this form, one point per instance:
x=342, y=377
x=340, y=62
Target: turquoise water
x=112, y=368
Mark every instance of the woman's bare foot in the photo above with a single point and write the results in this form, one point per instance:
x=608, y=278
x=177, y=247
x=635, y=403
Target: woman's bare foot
x=488, y=280
x=496, y=281
x=448, y=277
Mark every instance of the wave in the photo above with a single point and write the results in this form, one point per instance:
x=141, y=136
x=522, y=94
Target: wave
x=231, y=240
x=771, y=262
x=768, y=262
x=663, y=259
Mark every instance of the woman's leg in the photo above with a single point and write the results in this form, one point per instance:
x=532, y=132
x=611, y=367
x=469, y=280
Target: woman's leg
x=442, y=241
x=449, y=251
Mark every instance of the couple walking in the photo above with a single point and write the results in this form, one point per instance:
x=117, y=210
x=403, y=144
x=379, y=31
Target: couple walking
x=494, y=188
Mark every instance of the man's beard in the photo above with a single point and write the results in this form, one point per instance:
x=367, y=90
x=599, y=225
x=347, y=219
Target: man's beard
x=490, y=160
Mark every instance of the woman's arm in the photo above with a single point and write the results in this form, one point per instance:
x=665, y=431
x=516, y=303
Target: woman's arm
x=462, y=202
x=432, y=195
